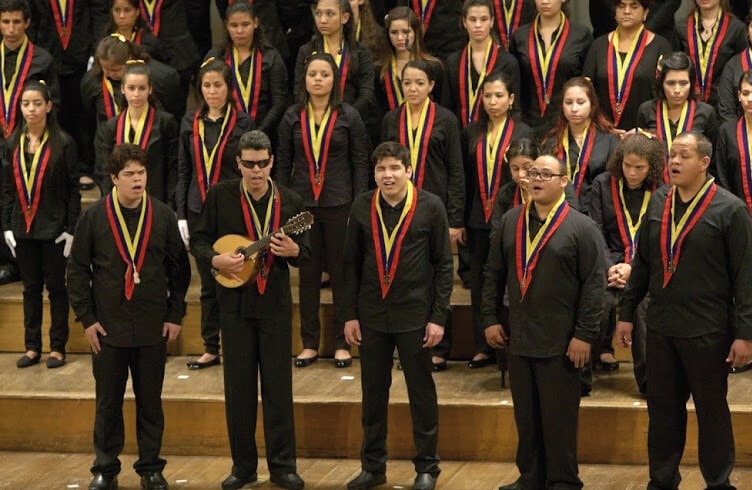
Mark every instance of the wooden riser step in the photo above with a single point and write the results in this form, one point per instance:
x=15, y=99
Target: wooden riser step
x=476, y=418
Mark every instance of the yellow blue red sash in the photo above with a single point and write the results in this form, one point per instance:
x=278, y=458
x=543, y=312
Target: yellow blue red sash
x=529, y=251
x=316, y=145
x=489, y=157
x=745, y=160
x=469, y=98
x=132, y=249
x=507, y=19
x=62, y=11
x=246, y=95
x=111, y=108
x=672, y=234
x=151, y=12
x=12, y=94
x=388, y=245
x=418, y=143
x=620, y=73
x=29, y=177
x=578, y=171
x=393, y=87
x=663, y=127
x=704, y=57
x=424, y=10
x=257, y=229
x=628, y=229
x=544, y=63
x=141, y=134
x=209, y=161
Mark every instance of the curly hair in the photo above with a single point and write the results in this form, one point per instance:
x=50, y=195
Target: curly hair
x=651, y=149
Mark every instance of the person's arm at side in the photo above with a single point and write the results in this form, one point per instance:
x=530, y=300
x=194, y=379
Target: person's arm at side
x=72, y=173
x=351, y=272
x=171, y=142
x=283, y=159
x=494, y=284
x=738, y=243
x=278, y=86
x=104, y=142
x=178, y=271
x=365, y=76
x=727, y=98
x=358, y=145
x=443, y=270
x=185, y=170
x=455, y=177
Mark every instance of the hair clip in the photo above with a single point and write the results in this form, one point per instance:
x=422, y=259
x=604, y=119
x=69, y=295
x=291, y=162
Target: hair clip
x=588, y=79
x=135, y=62
x=659, y=66
x=207, y=61
x=42, y=82
x=119, y=37
x=646, y=134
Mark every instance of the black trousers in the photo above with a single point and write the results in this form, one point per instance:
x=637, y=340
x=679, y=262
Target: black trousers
x=41, y=263
x=676, y=368
x=111, y=366
x=376, y=361
x=480, y=241
x=327, y=238
x=208, y=298
x=254, y=346
x=546, y=395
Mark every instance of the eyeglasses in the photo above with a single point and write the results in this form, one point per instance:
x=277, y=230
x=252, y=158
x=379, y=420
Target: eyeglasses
x=545, y=175
x=249, y=164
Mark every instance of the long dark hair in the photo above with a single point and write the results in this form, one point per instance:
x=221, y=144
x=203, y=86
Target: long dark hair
x=597, y=118
x=676, y=61
x=110, y=27
x=118, y=49
x=54, y=137
x=417, y=49
x=138, y=67
x=259, y=39
x=214, y=65
x=334, y=98
x=348, y=34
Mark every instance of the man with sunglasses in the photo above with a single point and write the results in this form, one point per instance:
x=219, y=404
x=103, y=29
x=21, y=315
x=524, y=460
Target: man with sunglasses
x=255, y=319
x=550, y=258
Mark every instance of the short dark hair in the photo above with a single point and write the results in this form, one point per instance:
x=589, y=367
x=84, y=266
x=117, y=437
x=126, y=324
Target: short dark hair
x=676, y=61
x=122, y=154
x=562, y=164
x=645, y=3
x=704, y=146
x=255, y=140
x=16, y=6
x=391, y=149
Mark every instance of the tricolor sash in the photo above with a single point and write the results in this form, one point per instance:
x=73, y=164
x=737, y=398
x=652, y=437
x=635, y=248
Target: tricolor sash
x=704, y=56
x=745, y=160
x=388, y=245
x=417, y=142
x=142, y=131
x=507, y=19
x=577, y=172
x=544, y=63
x=663, y=127
x=469, y=100
x=151, y=12
x=132, y=249
x=62, y=11
x=257, y=228
x=489, y=156
x=621, y=73
x=246, y=95
x=528, y=251
x=12, y=94
x=746, y=59
x=393, y=86
x=628, y=229
x=136, y=36
x=343, y=65
x=518, y=199
x=424, y=10
x=111, y=107
x=29, y=176
x=316, y=144
x=672, y=234
x=208, y=161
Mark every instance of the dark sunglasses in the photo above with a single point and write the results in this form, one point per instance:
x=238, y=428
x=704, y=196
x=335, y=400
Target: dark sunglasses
x=249, y=164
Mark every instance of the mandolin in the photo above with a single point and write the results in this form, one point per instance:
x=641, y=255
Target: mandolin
x=255, y=252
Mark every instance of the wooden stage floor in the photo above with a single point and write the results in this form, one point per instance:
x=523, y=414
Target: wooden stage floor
x=47, y=471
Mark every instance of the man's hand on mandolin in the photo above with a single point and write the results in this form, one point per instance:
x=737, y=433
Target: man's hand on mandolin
x=229, y=263
x=284, y=246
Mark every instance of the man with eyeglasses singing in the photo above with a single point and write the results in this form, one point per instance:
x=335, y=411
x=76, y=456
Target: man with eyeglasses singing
x=550, y=258
x=256, y=318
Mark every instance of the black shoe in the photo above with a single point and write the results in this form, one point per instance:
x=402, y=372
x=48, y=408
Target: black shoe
x=742, y=368
x=439, y=366
x=366, y=480
x=607, y=366
x=479, y=363
x=101, y=482
x=153, y=480
x=343, y=363
x=232, y=482
x=288, y=480
x=203, y=365
x=513, y=486
x=8, y=274
x=302, y=362
x=424, y=481
x=26, y=361
x=54, y=363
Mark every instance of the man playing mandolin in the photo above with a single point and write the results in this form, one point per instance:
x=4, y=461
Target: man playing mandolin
x=255, y=316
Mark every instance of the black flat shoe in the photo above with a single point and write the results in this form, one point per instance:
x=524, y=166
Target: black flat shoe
x=479, y=363
x=54, y=363
x=742, y=368
x=101, y=482
x=305, y=361
x=26, y=361
x=425, y=481
x=203, y=365
x=439, y=366
x=343, y=363
x=290, y=481
x=153, y=480
x=366, y=480
x=607, y=366
x=232, y=482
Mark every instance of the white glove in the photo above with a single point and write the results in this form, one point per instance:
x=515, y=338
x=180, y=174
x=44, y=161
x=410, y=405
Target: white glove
x=184, y=233
x=90, y=63
x=68, y=239
x=10, y=241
